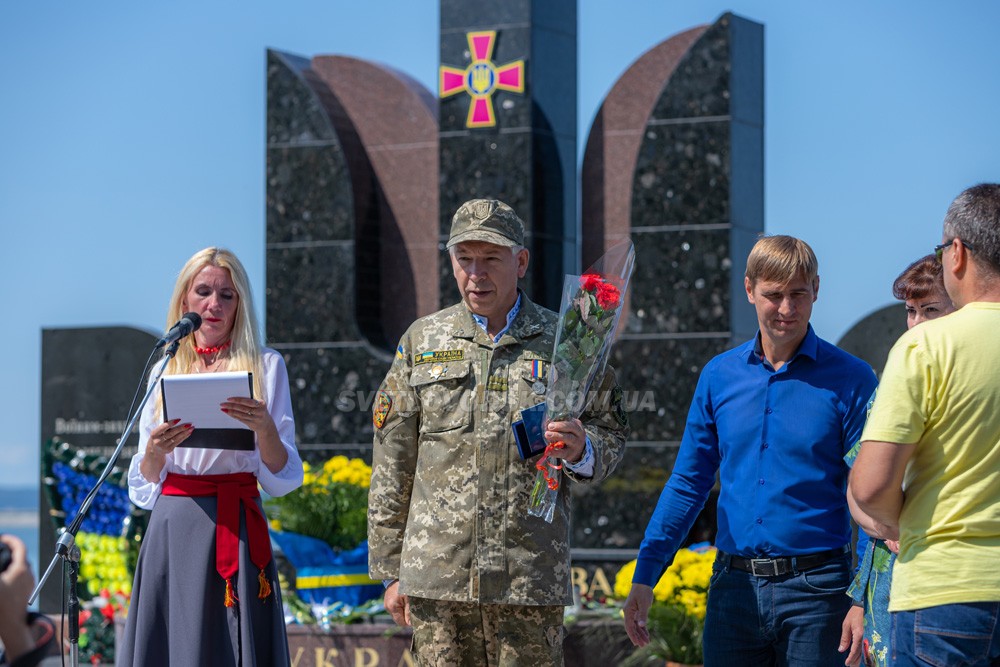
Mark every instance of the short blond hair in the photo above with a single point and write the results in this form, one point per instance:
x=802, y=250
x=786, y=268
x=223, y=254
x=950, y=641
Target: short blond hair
x=781, y=259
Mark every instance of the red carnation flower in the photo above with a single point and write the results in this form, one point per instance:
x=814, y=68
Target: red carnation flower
x=608, y=296
x=591, y=281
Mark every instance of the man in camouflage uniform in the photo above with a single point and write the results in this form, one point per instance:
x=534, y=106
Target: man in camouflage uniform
x=481, y=581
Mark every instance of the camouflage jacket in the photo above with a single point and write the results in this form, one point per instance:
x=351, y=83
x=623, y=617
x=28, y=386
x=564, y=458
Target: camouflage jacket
x=448, y=504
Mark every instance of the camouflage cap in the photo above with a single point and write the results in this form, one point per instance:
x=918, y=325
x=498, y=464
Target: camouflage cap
x=488, y=220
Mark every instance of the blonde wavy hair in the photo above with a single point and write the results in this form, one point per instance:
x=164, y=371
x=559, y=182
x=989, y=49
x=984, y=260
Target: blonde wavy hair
x=245, y=351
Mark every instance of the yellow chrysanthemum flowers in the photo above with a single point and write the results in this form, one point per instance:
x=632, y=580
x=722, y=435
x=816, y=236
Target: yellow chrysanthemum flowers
x=685, y=582
x=331, y=505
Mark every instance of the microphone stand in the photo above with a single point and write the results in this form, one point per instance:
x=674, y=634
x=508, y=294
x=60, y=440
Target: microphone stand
x=66, y=548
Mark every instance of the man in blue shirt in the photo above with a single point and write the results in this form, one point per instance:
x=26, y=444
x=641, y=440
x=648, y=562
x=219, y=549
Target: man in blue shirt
x=774, y=417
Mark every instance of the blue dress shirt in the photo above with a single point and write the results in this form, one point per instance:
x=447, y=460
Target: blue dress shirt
x=777, y=440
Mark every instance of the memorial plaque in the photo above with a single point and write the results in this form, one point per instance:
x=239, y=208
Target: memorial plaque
x=89, y=376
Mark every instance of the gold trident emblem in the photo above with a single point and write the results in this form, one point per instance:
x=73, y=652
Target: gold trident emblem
x=481, y=78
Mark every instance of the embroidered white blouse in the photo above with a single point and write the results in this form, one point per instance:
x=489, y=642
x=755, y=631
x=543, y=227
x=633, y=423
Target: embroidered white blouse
x=198, y=461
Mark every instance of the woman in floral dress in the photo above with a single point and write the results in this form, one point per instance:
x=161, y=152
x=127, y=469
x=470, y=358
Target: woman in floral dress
x=921, y=287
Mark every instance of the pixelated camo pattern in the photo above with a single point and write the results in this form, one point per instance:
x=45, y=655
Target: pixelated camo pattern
x=455, y=634
x=448, y=499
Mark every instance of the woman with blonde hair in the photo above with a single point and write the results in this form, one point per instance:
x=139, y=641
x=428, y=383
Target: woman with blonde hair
x=205, y=590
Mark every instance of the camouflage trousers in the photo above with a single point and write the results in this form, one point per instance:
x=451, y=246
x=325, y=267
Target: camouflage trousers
x=449, y=634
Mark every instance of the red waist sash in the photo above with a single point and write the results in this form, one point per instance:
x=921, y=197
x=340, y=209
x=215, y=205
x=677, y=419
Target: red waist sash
x=230, y=491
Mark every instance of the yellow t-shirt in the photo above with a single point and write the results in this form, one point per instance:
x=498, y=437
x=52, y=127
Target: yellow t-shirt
x=941, y=391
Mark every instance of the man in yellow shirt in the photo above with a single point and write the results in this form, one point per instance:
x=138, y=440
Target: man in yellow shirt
x=929, y=467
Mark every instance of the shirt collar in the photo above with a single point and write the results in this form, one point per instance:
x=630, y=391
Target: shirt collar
x=482, y=321
x=808, y=347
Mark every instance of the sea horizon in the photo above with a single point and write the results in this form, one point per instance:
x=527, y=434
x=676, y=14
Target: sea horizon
x=19, y=516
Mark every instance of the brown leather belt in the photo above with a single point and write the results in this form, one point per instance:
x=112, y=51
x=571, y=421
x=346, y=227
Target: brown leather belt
x=781, y=565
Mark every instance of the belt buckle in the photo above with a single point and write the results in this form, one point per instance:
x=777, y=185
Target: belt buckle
x=764, y=567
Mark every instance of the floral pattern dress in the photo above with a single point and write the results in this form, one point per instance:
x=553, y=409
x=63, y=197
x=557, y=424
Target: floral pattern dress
x=871, y=588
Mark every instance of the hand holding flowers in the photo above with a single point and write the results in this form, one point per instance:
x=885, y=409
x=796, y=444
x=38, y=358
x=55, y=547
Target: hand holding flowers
x=588, y=318
x=583, y=341
x=568, y=439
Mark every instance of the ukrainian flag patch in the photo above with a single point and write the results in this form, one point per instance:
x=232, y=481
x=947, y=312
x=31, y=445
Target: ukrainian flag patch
x=438, y=355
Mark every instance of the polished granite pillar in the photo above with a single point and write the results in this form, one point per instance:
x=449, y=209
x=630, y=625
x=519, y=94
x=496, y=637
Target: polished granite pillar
x=351, y=214
x=674, y=161
x=521, y=148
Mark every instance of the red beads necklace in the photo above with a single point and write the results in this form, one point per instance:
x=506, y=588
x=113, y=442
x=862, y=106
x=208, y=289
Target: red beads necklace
x=213, y=350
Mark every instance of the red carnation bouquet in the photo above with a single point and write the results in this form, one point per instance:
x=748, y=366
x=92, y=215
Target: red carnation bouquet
x=589, y=311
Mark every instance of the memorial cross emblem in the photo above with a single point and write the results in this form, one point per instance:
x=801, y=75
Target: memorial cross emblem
x=481, y=78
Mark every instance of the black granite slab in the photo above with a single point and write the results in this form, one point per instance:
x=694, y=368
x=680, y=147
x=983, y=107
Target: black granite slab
x=312, y=256
x=309, y=194
x=696, y=207
x=528, y=159
x=681, y=281
x=682, y=175
x=701, y=84
x=873, y=337
x=460, y=15
x=294, y=115
x=658, y=376
x=613, y=516
x=333, y=388
x=89, y=376
x=310, y=298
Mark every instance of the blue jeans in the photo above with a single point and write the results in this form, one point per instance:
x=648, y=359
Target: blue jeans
x=793, y=620
x=950, y=635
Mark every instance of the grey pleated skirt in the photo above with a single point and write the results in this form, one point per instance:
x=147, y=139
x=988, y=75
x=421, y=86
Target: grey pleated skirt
x=177, y=616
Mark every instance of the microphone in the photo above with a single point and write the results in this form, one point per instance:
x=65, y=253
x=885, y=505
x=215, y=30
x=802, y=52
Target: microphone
x=188, y=323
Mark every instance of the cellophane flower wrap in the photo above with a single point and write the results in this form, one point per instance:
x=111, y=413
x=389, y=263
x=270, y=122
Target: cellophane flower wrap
x=589, y=311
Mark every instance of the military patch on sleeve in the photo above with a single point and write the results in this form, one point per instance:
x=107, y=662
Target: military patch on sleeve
x=399, y=352
x=618, y=407
x=438, y=355
x=538, y=368
x=383, y=404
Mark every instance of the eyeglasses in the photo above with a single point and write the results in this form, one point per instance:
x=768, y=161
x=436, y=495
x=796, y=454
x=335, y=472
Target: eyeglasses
x=939, y=249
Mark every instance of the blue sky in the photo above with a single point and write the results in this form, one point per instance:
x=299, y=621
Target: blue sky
x=132, y=134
